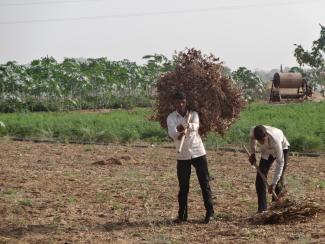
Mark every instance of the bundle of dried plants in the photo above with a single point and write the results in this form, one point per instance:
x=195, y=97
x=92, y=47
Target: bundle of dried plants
x=289, y=211
x=210, y=93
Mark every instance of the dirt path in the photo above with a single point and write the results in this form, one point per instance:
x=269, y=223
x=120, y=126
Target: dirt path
x=56, y=193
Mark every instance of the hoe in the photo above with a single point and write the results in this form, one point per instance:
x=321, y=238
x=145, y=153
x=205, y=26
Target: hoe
x=275, y=196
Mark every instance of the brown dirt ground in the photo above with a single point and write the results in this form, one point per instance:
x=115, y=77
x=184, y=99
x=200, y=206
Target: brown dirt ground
x=57, y=193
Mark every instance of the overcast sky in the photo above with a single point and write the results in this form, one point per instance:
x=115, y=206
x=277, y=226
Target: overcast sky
x=258, y=34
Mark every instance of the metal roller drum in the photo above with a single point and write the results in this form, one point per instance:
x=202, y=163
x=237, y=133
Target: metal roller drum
x=288, y=80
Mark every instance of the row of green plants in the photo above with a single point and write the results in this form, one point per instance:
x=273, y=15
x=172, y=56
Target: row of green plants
x=47, y=85
x=107, y=101
x=74, y=84
x=302, y=123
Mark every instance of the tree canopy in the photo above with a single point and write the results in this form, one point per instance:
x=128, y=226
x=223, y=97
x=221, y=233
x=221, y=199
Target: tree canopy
x=250, y=83
x=314, y=58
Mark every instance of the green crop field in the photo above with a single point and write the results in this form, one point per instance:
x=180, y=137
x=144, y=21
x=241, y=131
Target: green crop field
x=303, y=124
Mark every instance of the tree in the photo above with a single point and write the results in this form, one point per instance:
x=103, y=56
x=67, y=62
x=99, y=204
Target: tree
x=155, y=66
x=314, y=58
x=297, y=69
x=251, y=85
x=226, y=71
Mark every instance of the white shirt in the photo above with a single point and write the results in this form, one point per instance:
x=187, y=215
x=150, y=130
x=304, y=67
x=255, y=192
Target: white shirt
x=274, y=145
x=193, y=146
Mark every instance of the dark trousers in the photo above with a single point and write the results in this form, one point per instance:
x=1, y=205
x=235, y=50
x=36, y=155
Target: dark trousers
x=265, y=166
x=183, y=174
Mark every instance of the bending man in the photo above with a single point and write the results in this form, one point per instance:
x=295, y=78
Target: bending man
x=274, y=146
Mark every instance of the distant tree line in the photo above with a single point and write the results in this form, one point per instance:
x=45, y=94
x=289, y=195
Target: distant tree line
x=47, y=85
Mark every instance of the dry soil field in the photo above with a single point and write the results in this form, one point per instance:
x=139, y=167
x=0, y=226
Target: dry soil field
x=56, y=193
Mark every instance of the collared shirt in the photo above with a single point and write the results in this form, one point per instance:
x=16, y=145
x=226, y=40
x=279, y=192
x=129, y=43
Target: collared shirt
x=193, y=146
x=274, y=145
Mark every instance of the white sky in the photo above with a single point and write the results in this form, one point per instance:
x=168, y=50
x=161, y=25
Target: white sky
x=252, y=33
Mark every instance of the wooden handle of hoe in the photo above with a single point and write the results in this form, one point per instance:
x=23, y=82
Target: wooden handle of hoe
x=183, y=136
x=262, y=175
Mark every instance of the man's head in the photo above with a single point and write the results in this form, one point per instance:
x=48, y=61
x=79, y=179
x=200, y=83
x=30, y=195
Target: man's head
x=260, y=134
x=180, y=102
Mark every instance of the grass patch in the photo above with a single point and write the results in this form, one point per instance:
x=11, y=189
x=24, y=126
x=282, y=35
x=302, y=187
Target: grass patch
x=119, y=126
x=25, y=202
x=101, y=197
x=70, y=174
x=10, y=191
x=223, y=216
x=295, y=185
x=304, y=238
x=315, y=183
x=302, y=123
x=117, y=206
x=71, y=199
x=132, y=174
x=225, y=185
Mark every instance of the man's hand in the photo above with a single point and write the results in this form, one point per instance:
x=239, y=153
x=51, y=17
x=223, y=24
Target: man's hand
x=180, y=136
x=180, y=128
x=271, y=188
x=186, y=125
x=252, y=159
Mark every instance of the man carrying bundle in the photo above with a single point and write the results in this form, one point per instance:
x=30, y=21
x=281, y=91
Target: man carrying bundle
x=210, y=94
x=183, y=126
x=274, y=146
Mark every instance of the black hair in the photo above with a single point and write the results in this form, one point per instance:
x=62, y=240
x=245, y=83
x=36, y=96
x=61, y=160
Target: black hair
x=259, y=132
x=179, y=95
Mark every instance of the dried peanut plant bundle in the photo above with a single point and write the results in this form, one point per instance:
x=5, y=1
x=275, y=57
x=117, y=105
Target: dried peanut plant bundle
x=208, y=92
